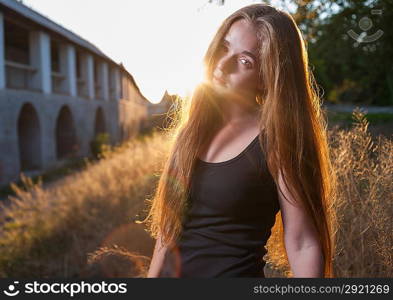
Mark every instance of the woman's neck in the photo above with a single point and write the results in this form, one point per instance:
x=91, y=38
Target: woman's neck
x=235, y=113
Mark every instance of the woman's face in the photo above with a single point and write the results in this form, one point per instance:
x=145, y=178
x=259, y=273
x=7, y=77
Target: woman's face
x=237, y=66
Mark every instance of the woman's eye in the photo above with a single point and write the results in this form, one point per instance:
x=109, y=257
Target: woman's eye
x=246, y=62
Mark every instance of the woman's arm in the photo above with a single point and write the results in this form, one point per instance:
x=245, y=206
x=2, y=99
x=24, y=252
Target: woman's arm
x=300, y=236
x=157, y=259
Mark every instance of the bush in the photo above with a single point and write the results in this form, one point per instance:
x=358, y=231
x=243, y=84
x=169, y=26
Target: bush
x=99, y=144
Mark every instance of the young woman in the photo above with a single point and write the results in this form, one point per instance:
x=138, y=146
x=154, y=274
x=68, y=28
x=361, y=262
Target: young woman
x=252, y=142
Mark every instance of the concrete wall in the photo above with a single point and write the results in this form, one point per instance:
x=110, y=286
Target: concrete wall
x=118, y=115
x=51, y=114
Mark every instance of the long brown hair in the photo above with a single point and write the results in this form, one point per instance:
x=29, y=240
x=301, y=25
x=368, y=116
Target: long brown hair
x=291, y=121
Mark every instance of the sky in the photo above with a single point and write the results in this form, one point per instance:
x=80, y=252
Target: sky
x=160, y=42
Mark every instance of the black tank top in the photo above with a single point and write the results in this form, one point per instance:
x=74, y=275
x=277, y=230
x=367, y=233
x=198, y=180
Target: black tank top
x=232, y=211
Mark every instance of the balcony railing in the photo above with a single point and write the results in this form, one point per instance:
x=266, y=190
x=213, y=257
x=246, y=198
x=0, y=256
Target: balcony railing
x=19, y=76
x=57, y=81
x=98, y=91
x=81, y=88
x=112, y=94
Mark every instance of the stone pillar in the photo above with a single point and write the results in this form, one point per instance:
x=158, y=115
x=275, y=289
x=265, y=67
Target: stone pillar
x=104, y=80
x=117, y=83
x=40, y=59
x=90, y=76
x=68, y=68
x=2, y=42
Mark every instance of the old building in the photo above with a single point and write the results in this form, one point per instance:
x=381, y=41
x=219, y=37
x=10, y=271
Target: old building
x=57, y=92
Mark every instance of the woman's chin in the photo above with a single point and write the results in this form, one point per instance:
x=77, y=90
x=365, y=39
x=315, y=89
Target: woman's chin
x=220, y=87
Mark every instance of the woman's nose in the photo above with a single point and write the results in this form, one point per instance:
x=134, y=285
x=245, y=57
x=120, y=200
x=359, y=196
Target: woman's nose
x=224, y=64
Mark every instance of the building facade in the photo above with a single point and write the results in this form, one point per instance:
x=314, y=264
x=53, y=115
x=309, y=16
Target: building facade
x=57, y=92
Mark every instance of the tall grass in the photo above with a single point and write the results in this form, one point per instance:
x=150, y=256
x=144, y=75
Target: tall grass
x=61, y=231
x=49, y=232
x=364, y=204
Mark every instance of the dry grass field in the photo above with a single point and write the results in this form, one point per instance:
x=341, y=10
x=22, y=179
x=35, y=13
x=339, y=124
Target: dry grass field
x=84, y=225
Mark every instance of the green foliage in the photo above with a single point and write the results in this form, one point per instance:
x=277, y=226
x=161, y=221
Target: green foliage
x=346, y=70
x=99, y=144
x=373, y=119
x=349, y=71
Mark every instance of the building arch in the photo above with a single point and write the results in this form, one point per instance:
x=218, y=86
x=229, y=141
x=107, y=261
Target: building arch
x=99, y=122
x=66, y=140
x=29, y=138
